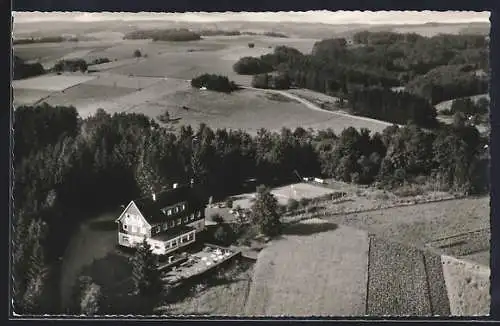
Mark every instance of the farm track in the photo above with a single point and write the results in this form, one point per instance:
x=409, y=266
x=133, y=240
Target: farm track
x=312, y=106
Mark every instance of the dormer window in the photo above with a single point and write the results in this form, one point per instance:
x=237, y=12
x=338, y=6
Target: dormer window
x=169, y=212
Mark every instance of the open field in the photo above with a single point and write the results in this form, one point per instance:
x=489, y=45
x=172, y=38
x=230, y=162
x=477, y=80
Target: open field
x=468, y=287
x=28, y=96
x=249, y=110
x=53, y=83
x=422, y=223
x=316, y=275
x=86, y=94
x=283, y=194
x=49, y=53
x=224, y=299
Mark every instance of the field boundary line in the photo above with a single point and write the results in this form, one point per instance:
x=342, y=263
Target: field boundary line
x=370, y=236
x=429, y=295
x=458, y=235
x=325, y=212
x=399, y=205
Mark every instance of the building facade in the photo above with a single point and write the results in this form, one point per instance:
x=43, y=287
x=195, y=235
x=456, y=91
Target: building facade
x=169, y=220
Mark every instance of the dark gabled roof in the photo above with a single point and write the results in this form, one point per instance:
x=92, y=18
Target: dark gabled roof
x=151, y=209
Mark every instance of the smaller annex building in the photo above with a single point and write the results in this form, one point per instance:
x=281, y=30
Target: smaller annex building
x=169, y=220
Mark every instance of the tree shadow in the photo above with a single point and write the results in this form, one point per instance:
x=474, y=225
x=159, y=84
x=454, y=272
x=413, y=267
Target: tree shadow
x=308, y=228
x=103, y=225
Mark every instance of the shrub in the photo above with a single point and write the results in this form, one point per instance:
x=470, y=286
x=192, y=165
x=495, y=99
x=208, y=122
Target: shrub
x=137, y=54
x=260, y=81
x=292, y=204
x=223, y=235
x=214, y=82
x=164, y=117
x=229, y=202
x=71, y=65
x=251, y=45
x=99, y=61
x=217, y=218
x=304, y=201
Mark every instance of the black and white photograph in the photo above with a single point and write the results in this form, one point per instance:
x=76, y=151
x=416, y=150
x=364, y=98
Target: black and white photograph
x=251, y=164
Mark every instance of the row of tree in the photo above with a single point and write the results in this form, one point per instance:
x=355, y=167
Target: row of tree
x=70, y=65
x=175, y=35
x=46, y=39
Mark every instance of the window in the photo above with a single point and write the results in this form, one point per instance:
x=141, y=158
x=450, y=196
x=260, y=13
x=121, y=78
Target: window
x=188, y=237
x=179, y=221
x=157, y=247
x=183, y=207
x=169, y=212
x=176, y=209
x=125, y=227
x=186, y=218
x=182, y=239
x=172, y=223
x=165, y=226
x=192, y=216
x=134, y=229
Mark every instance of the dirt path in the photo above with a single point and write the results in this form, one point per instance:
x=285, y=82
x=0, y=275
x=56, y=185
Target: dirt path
x=315, y=107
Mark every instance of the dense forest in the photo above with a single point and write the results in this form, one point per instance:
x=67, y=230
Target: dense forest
x=68, y=168
x=435, y=69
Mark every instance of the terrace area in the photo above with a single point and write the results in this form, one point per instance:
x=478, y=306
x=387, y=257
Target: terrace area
x=199, y=262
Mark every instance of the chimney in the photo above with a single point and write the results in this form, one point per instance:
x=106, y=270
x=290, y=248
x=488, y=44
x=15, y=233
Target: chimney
x=175, y=185
x=154, y=196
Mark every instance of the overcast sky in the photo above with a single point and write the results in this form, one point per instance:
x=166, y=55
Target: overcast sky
x=327, y=17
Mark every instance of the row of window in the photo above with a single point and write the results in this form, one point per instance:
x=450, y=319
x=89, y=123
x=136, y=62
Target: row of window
x=170, y=244
x=134, y=229
x=173, y=223
x=174, y=210
x=165, y=226
x=176, y=242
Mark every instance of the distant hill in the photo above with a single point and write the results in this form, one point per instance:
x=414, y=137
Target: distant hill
x=292, y=29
